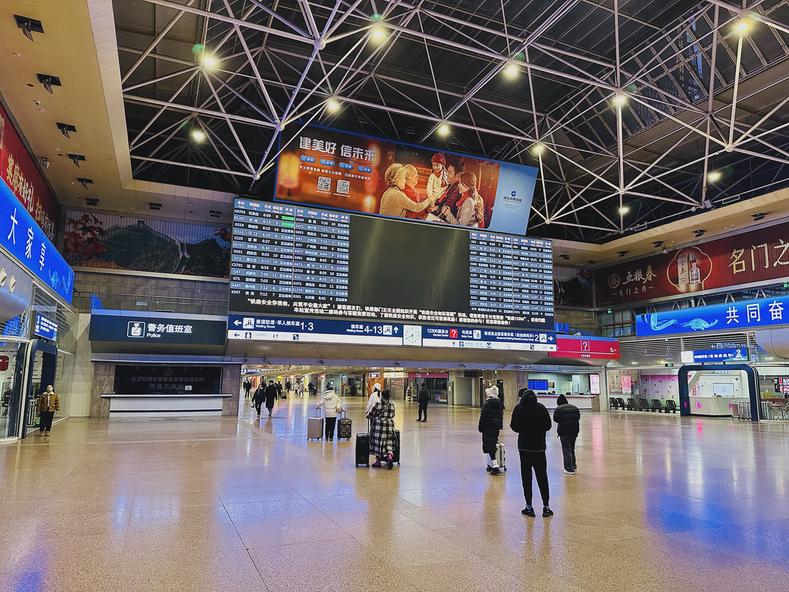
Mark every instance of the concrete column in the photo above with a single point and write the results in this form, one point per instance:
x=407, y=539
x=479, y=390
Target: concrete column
x=231, y=383
x=103, y=382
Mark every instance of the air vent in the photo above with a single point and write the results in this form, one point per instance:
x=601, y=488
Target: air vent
x=66, y=129
x=214, y=213
x=76, y=159
x=48, y=81
x=28, y=25
x=84, y=181
x=92, y=201
x=154, y=205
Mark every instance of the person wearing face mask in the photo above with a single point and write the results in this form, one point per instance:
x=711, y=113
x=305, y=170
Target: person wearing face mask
x=374, y=398
x=48, y=404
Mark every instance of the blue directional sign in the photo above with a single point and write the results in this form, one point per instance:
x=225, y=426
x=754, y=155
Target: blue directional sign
x=248, y=327
x=45, y=327
x=746, y=314
x=739, y=354
x=24, y=239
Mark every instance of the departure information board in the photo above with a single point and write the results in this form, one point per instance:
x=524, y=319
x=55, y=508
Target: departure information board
x=319, y=263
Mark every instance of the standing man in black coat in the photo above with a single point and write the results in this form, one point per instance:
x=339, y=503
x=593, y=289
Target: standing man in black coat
x=491, y=420
x=424, y=399
x=258, y=397
x=568, y=424
x=271, y=396
x=530, y=419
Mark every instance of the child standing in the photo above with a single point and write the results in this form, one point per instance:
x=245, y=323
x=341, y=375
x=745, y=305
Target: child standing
x=438, y=181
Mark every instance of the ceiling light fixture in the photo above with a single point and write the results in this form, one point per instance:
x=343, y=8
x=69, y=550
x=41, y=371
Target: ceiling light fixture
x=332, y=105
x=714, y=176
x=511, y=71
x=623, y=210
x=743, y=26
x=198, y=136
x=538, y=149
x=443, y=129
x=619, y=100
x=209, y=61
x=379, y=34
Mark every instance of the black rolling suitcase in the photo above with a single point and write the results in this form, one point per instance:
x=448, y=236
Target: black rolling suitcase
x=344, y=427
x=396, y=455
x=363, y=450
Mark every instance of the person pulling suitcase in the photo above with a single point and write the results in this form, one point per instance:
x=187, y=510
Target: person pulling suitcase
x=331, y=405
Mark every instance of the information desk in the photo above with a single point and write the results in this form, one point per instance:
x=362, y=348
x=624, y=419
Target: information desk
x=164, y=405
x=583, y=402
x=713, y=406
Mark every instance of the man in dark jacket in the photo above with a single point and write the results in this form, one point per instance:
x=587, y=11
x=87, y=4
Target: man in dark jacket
x=491, y=420
x=271, y=396
x=568, y=424
x=258, y=398
x=530, y=419
x=424, y=399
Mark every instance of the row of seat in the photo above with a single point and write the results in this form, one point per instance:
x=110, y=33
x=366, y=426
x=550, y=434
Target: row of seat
x=642, y=405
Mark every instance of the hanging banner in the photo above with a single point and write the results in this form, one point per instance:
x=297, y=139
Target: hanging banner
x=27, y=243
x=593, y=348
x=350, y=172
x=20, y=173
x=747, y=258
x=746, y=314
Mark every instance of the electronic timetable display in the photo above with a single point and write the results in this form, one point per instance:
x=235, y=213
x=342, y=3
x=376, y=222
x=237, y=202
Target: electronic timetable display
x=297, y=260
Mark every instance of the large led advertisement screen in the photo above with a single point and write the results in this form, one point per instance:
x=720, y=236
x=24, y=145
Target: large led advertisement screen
x=297, y=260
x=349, y=172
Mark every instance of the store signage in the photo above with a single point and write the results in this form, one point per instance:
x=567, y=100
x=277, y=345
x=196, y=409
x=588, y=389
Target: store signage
x=756, y=256
x=350, y=172
x=701, y=356
x=594, y=384
x=745, y=314
x=27, y=243
x=627, y=384
x=141, y=327
x=594, y=348
x=45, y=327
x=21, y=175
x=364, y=333
x=413, y=375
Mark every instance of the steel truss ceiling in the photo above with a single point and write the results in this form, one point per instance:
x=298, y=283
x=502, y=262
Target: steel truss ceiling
x=635, y=102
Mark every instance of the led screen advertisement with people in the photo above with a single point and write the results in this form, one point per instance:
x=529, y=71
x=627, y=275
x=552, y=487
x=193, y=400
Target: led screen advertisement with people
x=346, y=171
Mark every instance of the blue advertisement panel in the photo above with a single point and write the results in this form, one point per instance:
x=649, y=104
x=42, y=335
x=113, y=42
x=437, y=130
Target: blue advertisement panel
x=347, y=171
x=255, y=328
x=45, y=327
x=746, y=314
x=27, y=243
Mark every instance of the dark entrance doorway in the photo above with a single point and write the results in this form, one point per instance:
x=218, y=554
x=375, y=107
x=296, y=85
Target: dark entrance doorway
x=40, y=372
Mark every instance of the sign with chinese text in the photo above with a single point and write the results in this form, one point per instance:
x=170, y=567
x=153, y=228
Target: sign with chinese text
x=594, y=348
x=746, y=314
x=163, y=328
x=365, y=333
x=715, y=355
x=20, y=173
x=27, y=243
x=751, y=257
x=45, y=327
x=357, y=173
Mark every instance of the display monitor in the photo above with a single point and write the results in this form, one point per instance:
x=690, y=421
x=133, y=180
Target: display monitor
x=298, y=260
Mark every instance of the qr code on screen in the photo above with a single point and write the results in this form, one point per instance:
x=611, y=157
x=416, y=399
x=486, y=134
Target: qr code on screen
x=324, y=184
x=343, y=187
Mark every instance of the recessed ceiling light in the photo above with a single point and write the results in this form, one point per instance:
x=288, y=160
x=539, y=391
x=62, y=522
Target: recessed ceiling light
x=379, y=34
x=511, y=71
x=619, y=100
x=443, y=130
x=714, y=176
x=743, y=26
x=623, y=210
x=198, y=136
x=209, y=61
x=538, y=149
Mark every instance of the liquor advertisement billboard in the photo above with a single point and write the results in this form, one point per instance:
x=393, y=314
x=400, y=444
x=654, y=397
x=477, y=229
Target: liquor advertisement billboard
x=350, y=172
x=23, y=178
x=746, y=258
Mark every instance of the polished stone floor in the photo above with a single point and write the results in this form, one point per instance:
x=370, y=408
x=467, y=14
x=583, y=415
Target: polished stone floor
x=659, y=503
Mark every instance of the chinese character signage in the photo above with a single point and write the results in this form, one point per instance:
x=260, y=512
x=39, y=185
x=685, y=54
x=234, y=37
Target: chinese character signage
x=22, y=238
x=140, y=327
x=739, y=354
x=356, y=173
x=756, y=256
x=731, y=316
x=45, y=327
x=592, y=348
x=20, y=173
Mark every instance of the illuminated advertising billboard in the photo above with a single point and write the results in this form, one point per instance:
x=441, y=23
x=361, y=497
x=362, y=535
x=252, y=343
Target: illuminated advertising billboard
x=350, y=172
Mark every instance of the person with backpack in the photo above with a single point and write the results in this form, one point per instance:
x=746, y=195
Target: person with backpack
x=568, y=423
x=271, y=394
x=424, y=398
x=491, y=420
x=531, y=421
x=331, y=405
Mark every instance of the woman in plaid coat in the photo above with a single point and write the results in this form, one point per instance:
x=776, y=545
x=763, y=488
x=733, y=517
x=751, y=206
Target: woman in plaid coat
x=382, y=430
